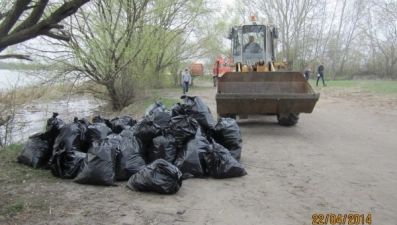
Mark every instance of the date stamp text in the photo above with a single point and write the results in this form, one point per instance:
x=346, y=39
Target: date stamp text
x=342, y=219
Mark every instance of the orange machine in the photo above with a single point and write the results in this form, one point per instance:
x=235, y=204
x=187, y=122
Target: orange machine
x=220, y=67
x=196, y=69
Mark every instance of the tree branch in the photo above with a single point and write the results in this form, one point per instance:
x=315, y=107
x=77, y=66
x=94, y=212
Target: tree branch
x=40, y=28
x=57, y=36
x=34, y=16
x=13, y=16
x=3, y=15
x=16, y=56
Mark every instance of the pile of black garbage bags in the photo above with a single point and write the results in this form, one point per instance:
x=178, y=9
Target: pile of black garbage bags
x=154, y=153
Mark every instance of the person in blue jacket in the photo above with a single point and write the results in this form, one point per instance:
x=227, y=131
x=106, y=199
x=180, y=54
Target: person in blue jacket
x=320, y=71
x=186, y=79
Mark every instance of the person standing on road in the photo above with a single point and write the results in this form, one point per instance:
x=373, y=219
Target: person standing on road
x=307, y=73
x=185, y=81
x=320, y=71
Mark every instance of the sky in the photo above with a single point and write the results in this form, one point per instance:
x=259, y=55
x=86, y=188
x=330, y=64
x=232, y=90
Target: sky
x=225, y=2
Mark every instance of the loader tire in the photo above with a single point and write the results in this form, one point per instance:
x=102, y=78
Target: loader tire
x=288, y=120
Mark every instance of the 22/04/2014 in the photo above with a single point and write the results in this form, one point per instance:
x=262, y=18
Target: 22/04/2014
x=341, y=219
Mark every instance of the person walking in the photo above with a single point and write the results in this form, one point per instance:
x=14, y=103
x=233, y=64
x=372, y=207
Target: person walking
x=185, y=81
x=307, y=73
x=320, y=71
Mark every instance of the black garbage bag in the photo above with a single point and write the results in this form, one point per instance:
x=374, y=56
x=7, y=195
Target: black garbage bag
x=146, y=130
x=71, y=137
x=177, y=110
x=115, y=140
x=227, y=133
x=160, y=176
x=97, y=131
x=82, y=121
x=99, y=164
x=128, y=132
x=221, y=164
x=163, y=147
x=190, y=159
x=128, y=120
x=53, y=127
x=183, y=127
x=102, y=119
x=195, y=107
x=161, y=119
x=157, y=106
x=122, y=123
x=168, y=111
x=36, y=152
x=130, y=158
x=67, y=164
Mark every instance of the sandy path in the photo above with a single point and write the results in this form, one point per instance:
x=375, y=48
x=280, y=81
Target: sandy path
x=340, y=159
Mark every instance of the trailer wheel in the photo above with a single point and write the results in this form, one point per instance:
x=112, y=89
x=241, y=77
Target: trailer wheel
x=288, y=119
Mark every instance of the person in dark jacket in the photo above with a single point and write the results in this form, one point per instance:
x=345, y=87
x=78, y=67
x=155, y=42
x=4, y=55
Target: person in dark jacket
x=320, y=71
x=307, y=73
x=252, y=46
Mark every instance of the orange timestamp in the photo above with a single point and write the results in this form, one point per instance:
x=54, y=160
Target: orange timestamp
x=341, y=219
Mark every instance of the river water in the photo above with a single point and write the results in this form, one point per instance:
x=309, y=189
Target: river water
x=13, y=78
x=31, y=118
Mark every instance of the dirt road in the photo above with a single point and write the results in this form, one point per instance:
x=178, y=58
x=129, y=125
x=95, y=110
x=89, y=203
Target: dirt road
x=339, y=160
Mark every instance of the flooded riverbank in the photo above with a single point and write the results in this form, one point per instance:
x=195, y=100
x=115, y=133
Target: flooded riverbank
x=31, y=118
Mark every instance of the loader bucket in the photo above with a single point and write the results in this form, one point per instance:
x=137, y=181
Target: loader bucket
x=245, y=93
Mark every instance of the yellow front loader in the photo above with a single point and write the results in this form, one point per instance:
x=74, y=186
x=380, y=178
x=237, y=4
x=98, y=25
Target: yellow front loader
x=258, y=85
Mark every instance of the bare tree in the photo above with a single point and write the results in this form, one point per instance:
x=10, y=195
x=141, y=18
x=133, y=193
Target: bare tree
x=119, y=48
x=25, y=19
x=381, y=30
x=174, y=24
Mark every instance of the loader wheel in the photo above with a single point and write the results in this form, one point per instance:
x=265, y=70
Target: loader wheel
x=288, y=119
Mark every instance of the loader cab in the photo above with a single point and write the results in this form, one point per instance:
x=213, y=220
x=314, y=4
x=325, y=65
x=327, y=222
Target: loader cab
x=246, y=52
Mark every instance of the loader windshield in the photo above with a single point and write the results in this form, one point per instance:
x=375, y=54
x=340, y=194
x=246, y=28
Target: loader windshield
x=250, y=44
x=253, y=37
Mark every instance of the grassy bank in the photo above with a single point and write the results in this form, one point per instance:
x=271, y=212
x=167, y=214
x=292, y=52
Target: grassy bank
x=378, y=87
x=168, y=96
x=15, y=173
x=47, y=92
x=16, y=203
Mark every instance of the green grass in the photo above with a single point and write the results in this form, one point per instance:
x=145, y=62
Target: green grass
x=205, y=78
x=158, y=92
x=40, y=205
x=140, y=107
x=168, y=96
x=13, y=172
x=381, y=87
x=378, y=87
x=13, y=209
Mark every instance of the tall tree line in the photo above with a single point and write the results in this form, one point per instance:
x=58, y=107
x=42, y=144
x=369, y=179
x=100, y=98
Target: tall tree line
x=352, y=38
x=120, y=47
